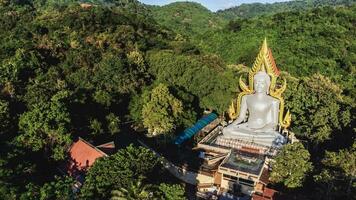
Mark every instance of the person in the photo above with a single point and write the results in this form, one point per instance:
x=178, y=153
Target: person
x=261, y=111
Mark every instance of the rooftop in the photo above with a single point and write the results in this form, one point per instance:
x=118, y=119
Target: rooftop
x=82, y=156
x=244, y=162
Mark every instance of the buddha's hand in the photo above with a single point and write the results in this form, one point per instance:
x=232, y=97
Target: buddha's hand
x=268, y=127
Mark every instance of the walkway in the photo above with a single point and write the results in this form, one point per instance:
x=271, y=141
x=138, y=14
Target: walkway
x=180, y=173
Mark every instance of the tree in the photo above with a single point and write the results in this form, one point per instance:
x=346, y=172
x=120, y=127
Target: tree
x=113, y=122
x=4, y=116
x=45, y=127
x=117, y=171
x=291, y=165
x=205, y=77
x=140, y=191
x=6, y=192
x=16, y=70
x=161, y=111
x=135, y=191
x=339, y=165
x=96, y=127
x=61, y=188
x=319, y=107
x=171, y=192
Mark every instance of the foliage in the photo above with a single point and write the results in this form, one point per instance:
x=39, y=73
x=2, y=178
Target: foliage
x=299, y=34
x=186, y=17
x=318, y=107
x=199, y=76
x=171, y=192
x=140, y=191
x=345, y=159
x=45, y=126
x=291, y=165
x=113, y=122
x=258, y=9
x=161, y=111
x=339, y=171
x=4, y=116
x=135, y=190
x=66, y=71
x=60, y=188
x=118, y=170
x=95, y=127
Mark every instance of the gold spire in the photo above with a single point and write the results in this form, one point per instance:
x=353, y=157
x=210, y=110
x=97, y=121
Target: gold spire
x=264, y=62
x=264, y=47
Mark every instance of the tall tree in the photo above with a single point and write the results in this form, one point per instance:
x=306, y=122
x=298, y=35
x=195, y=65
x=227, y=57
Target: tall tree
x=161, y=111
x=117, y=171
x=319, y=106
x=291, y=165
x=171, y=192
x=45, y=126
x=61, y=188
x=134, y=191
x=342, y=166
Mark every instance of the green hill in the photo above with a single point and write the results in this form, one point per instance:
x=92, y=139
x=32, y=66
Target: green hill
x=320, y=40
x=187, y=18
x=258, y=9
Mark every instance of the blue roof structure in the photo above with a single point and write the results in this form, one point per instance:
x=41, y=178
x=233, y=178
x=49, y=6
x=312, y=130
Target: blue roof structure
x=190, y=132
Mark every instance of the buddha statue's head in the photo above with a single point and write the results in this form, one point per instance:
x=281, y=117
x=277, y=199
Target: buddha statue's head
x=261, y=82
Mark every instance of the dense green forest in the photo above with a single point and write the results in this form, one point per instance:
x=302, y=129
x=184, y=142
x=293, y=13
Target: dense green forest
x=258, y=9
x=188, y=18
x=70, y=71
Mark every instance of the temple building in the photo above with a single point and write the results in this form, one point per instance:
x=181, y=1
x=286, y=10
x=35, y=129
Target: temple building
x=81, y=156
x=238, y=153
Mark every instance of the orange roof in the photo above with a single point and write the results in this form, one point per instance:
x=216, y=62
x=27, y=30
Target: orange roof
x=110, y=145
x=82, y=156
x=267, y=192
x=257, y=197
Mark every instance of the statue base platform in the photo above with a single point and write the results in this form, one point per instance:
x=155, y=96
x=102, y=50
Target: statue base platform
x=246, y=146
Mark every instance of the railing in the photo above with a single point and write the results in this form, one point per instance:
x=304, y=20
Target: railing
x=214, y=132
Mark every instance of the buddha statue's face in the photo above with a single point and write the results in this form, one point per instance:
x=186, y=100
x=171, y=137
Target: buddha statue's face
x=261, y=82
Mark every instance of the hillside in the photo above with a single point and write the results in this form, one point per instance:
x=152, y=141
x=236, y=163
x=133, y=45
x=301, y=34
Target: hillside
x=70, y=71
x=258, y=9
x=187, y=18
x=306, y=39
x=321, y=40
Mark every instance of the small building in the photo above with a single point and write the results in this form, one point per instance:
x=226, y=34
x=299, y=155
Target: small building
x=82, y=156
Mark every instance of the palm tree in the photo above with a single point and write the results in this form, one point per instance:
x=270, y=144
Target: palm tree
x=135, y=191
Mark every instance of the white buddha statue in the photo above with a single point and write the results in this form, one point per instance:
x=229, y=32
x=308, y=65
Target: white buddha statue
x=262, y=111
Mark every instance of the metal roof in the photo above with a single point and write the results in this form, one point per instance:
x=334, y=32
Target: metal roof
x=190, y=132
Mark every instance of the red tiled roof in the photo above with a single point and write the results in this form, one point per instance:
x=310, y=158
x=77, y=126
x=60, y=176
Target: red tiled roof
x=82, y=156
x=110, y=145
x=257, y=197
x=269, y=192
x=108, y=148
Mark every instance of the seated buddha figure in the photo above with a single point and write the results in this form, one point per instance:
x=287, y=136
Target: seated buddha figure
x=261, y=111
